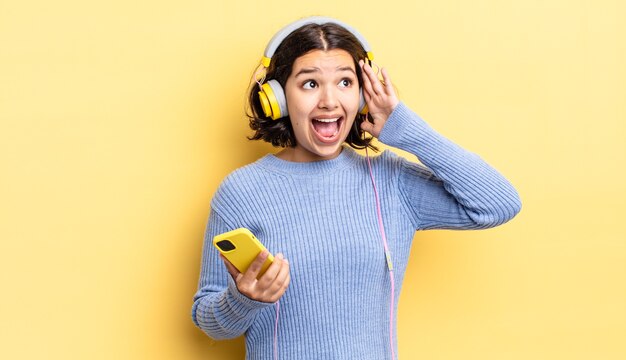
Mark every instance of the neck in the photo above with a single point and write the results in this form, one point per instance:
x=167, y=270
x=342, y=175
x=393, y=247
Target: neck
x=297, y=154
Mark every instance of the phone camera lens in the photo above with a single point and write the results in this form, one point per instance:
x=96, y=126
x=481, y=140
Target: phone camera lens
x=225, y=245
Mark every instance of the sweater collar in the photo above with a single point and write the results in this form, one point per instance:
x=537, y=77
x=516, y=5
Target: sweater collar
x=346, y=157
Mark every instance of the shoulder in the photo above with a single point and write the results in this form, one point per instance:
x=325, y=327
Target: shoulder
x=399, y=166
x=388, y=161
x=229, y=199
x=243, y=184
x=244, y=178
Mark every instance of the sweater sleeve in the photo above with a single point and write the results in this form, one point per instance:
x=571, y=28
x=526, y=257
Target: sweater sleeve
x=219, y=309
x=455, y=189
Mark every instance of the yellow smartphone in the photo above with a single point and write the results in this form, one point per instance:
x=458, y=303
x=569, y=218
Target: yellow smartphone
x=241, y=247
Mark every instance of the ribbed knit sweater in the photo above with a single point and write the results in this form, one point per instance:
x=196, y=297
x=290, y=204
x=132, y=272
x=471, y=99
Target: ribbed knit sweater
x=322, y=216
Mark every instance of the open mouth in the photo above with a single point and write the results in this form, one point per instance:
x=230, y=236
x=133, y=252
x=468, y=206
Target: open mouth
x=327, y=129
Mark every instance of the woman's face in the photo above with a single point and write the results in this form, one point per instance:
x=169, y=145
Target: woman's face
x=323, y=99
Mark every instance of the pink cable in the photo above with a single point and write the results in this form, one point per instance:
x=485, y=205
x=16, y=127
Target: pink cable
x=387, y=255
x=276, y=331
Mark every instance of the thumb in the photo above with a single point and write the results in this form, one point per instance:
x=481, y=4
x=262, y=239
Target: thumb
x=232, y=270
x=367, y=126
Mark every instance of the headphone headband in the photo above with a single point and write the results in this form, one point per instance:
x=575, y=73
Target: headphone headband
x=320, y=20
x=271, y=94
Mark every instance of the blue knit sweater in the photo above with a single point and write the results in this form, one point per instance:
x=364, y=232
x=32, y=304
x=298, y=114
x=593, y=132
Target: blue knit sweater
x=322, y=216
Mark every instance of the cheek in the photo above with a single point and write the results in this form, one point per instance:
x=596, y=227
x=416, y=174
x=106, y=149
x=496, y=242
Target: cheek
x=353, y=96
x=300, y=105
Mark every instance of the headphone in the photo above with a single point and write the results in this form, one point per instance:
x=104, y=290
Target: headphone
x=271, y=94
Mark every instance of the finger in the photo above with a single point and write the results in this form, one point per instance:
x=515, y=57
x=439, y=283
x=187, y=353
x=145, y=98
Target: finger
x=392, y=98
x=367, y=96
x=387, y=81
x=369, y=71
x=367, y=84
x=232, y=270
x=376, y=84
x=254, y=268
x=280, y=283
x=268, y=278
x=367, y=126
x=372, y=77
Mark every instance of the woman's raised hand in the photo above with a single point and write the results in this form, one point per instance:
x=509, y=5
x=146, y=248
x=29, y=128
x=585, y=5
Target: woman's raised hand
x=270, y=286
x=380, y=97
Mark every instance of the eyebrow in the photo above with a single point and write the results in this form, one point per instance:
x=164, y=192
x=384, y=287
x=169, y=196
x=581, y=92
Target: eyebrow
x=316, y=69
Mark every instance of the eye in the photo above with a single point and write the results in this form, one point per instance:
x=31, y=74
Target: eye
x=345, y=82
x=309, y=84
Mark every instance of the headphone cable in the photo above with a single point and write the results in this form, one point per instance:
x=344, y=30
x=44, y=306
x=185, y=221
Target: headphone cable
x=387, y=255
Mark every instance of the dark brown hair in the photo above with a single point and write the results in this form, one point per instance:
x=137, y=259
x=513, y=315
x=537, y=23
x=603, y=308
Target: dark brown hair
x=309, y=37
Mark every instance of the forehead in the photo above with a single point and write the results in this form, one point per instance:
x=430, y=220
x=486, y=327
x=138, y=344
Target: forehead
x=324, y=59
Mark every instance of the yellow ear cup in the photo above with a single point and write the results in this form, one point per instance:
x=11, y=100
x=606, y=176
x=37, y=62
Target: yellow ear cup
x=270, y=105
x=364, y=110
x=265, y=104
x=273, y=100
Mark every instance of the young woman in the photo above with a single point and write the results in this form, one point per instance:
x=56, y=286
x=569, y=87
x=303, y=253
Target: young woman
x=340, y=228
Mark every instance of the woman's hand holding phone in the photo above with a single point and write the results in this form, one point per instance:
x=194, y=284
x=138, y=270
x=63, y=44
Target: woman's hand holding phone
x=270, y=286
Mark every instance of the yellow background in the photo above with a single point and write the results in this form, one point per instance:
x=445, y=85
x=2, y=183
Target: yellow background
x=119, y=119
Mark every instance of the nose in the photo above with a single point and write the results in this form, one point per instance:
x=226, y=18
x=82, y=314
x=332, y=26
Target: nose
x=328, y=99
